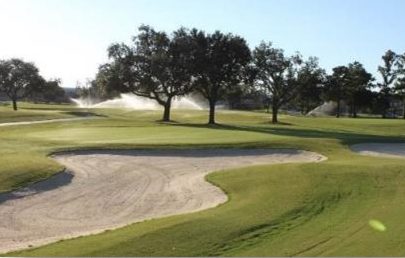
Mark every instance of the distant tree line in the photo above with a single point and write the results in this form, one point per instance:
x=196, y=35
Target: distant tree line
x=21, y=80
x=221, y=67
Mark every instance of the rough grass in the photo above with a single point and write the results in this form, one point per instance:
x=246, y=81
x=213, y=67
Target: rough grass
x=280, y=210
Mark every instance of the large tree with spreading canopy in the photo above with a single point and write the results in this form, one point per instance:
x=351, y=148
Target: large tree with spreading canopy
x=156, y=66
x=277, y=74
x=18, y=79
x=219, y=64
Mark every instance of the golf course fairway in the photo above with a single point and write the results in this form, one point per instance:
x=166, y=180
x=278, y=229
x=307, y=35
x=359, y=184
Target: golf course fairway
x=347, y=205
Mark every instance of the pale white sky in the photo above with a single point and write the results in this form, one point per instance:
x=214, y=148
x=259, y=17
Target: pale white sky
x=67, y=39
x=64, y=42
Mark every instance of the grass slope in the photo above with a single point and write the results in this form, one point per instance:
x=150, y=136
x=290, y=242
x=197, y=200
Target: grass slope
x=35, y=112
x=290, y=209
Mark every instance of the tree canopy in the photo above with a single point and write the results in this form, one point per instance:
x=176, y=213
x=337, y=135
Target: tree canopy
x=388, y=74
x=358, y=83
x=155, y=67
x=18, y=79
x=276, y=74
x=219, y=62
x=400, y=83
x=311, y=79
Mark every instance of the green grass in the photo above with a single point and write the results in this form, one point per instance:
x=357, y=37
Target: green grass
x=35, y=112
x=291, y=209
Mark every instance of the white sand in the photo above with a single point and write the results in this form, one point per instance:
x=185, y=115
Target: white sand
x=394, y=150
x=110, y=189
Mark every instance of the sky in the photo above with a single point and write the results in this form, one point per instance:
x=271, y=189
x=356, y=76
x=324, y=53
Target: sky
x=67, y=39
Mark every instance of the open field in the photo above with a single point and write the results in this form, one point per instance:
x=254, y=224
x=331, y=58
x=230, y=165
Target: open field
x=285, y=209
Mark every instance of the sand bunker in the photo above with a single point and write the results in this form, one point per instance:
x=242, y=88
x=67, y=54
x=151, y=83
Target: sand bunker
x=395, y=150
x=110, y=189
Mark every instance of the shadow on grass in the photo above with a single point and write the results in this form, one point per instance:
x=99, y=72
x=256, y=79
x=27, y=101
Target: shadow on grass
x=281, y=130
x=84, y=114
x=163, y=122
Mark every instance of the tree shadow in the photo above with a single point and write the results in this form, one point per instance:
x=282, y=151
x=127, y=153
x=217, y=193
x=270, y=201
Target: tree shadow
x=84, y=114
x=163, y=122
x=345, y=137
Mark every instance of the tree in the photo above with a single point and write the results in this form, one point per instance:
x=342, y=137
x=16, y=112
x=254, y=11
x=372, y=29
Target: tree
x=18, y=79
x=53, y=92
x=336, y=86
x=388, y=75
x=400, y=92
x=156, y=67
x=219, y=62
x=48, y=91
x=378, y=102
x=365, y=98
x=311, y=79
x=106, y=85
x=235, y=96
x=358, y=82
x=400, y=83
x=276, y=74
x=350, y=83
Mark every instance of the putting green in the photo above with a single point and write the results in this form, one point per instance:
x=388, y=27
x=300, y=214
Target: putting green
x=287, y=209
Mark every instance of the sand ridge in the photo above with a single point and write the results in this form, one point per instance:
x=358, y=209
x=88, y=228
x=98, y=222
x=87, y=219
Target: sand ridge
x=109, y=189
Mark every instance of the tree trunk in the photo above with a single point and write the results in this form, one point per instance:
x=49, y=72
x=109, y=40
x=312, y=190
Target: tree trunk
x=274, y=119
x=211, y=120
x=14, y=104
x=338, y=109
x=167, y=109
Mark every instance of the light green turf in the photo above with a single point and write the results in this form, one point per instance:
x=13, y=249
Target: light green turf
x=290, y=209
